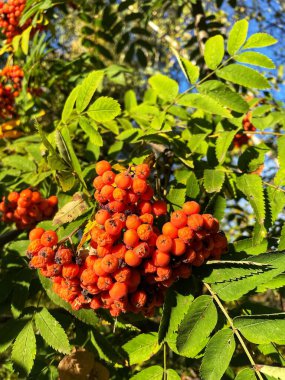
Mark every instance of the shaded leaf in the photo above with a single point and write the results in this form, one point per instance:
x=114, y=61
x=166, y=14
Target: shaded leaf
x=142, y=347
x=24, y=350
x=213, y=180
x=155, y=373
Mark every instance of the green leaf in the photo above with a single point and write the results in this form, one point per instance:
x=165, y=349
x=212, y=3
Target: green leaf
x=166, y=88
x=52, y=332
x=87, y=89
x=90, y=129
x=275, y=283
x=19, y=162
x=214, y=51
x=176, y=195
x=219, y=207
x=243, y=76
x=255, y=59
x=205, y=103
x=172, y=375
x=196, y=326
x=260, y=329
x=219, y=272
x=223, y=143
x=218, y=354
x=24, y=350
x=253, y=157
x=130, y=100
x=104, y=348
x=233, y=290
x=251, y=186
x=74, y=160
x=213, y=180
x=22, y=283
x=190, y=70
x=176, y=304
x=276, y=201
x=9, y=331
x=259, y=40
x=104, y=109
x=69, y=104
x=25, y=40
x=155, y=373
x=246, y=374
x=192, y=186
x=276, y=372
x=224, y=95
x=142, y=347
x=237, y=36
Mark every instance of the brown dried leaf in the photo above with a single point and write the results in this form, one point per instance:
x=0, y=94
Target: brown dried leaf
x=72, y=210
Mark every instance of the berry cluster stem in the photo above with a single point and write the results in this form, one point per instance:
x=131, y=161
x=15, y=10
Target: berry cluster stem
x=236, y=332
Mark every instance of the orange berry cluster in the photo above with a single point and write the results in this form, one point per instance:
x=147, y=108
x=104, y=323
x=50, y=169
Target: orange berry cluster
x=10, y=86
x=27, y=208
x=130, y=263
x=10, y=14
x=242, y=138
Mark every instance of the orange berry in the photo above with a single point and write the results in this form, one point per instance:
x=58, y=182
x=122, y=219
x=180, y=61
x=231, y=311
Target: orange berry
x=47, y=253
x=160, y=259
x=178, y=247
x=107, y=192
x=98, y=268
x=23, y=203
x=95, y=233
x=220, y=240
x=163, y=273
x=148, y=194
x=52, y=200
x=123, y=180
x=195, y=222
x=186, y=234
x=141, y=250
x=113, y=226
x=13, y=197
x=109, y=263
x=36, y=197
x=210, y=223
x=139, y=186
x=159, y=208
x=26, y=195
x=49, y=238
x=178, y=219
x=105, y=282
x=63, y=256
x=133, y=222
x=95, y=303
x=88, y=277
x=116, y=206
x=132, y=259
x=131, y=198
x=164, y=243
x=142, y=171
x=103, y=251
x=102, y=166
x=139, y=299
x=53, y=270
x=145, y=207
x=146, y=218
x=37, y=262
x=118, y=290
x=119, y=251
x=70, y=270
x=170, y=230
x=36, y=233
x=34, y=247
x=119, y=194
x=199, y=260
x=104, y=239
x=122, y=274
x=189, y=256
x=144, y=231
x=131, y=238
x=90, y=261
x=108, y=177
x=149, y=266
x=101, y=216
x=134, y=281
x=191, y=207
x=98, y=183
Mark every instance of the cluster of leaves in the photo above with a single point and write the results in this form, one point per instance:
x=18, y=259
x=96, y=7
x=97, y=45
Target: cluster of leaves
x=224, y=321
